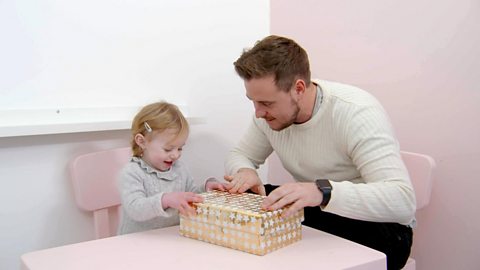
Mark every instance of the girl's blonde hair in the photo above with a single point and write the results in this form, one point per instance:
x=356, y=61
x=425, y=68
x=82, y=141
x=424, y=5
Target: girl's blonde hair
x=156, y=118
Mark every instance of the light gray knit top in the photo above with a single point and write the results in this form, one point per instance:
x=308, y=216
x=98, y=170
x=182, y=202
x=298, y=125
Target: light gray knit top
x=141, y=189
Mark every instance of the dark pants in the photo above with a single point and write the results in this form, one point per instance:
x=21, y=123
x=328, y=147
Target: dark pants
x=393, y=239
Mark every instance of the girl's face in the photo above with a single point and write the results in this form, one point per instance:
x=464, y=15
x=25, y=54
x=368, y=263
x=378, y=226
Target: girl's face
x=162, y=149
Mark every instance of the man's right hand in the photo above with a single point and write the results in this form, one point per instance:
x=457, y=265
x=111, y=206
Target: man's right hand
x=244, y=180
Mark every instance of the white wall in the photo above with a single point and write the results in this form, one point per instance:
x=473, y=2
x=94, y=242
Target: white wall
x=421, y=59
x=116, y=53
x=94, y=54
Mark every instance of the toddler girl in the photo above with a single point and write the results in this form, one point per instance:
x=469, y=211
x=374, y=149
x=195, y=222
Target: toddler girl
x=155, y=186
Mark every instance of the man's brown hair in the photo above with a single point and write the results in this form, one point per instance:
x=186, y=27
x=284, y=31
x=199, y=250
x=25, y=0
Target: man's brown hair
x=278, y=56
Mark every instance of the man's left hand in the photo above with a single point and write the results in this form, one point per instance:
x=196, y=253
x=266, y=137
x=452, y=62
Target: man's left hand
x=299, y=195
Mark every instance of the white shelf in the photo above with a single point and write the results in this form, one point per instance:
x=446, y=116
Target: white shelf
x=21, y=122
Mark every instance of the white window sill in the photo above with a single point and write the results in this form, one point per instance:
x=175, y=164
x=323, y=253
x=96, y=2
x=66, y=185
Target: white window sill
x=23, y=122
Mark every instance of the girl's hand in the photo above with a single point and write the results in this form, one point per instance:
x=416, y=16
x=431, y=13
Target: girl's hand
x=213, y=184
x=181, y=201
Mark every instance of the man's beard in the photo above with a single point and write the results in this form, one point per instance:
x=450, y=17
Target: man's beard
x=292, y=119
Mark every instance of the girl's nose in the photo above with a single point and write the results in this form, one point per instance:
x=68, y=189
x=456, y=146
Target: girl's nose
x=175, y=154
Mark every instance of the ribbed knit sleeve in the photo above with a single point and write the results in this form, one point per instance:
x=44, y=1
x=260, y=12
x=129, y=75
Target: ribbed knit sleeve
x=382, y=191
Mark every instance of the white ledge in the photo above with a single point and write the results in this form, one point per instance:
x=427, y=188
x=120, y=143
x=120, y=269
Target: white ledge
x=23, y=122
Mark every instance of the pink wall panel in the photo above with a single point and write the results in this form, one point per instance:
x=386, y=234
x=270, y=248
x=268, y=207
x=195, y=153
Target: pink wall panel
x=422, y=61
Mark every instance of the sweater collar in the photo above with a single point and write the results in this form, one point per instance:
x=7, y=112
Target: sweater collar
x=169, y=175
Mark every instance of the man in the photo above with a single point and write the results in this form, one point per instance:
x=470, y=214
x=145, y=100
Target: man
x=337, y=142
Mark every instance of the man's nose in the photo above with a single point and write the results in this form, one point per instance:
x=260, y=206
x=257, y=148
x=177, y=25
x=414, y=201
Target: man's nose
x=259, y=112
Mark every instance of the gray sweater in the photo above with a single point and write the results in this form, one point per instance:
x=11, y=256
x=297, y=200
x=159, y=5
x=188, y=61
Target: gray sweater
x=141, y=189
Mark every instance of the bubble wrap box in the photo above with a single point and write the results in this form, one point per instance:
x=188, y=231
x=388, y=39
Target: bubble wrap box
x=237, y=221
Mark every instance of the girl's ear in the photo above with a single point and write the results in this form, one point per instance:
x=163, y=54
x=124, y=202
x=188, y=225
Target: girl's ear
x=140, y=140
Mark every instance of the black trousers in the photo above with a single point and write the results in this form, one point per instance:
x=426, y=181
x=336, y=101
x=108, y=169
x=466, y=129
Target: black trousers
x=393, y=239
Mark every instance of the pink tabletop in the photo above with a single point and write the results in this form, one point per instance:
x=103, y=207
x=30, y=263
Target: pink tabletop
x=162, y=248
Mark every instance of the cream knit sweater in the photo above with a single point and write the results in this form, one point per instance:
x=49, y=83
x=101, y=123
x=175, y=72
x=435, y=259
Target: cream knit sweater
x=349, y=141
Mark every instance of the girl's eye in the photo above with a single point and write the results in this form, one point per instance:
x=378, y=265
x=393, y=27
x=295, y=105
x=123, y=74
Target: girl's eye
x=170, y=150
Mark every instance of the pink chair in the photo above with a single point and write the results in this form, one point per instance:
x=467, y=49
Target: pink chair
x=419, y=166
x=94, y=177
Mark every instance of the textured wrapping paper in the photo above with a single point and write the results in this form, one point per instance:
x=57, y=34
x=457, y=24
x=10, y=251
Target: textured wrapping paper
x=237, y=221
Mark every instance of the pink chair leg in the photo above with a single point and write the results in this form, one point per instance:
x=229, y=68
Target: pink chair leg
x=101, y=217
x=410, y=265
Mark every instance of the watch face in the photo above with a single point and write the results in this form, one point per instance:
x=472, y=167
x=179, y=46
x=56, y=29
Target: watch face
x=323, y=184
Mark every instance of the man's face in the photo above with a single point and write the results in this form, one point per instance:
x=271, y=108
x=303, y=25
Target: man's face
x=277, y=107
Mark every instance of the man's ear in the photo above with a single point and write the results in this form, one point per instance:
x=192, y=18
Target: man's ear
x=299, y=88
x=140, y=140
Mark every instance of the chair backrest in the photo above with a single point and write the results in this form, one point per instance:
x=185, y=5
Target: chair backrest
x=419, y=166
x=94, y=177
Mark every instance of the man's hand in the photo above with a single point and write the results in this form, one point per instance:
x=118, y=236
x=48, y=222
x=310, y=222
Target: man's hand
x=214, y=184
x=299, y=195
x=181, y=201
x=244, y=180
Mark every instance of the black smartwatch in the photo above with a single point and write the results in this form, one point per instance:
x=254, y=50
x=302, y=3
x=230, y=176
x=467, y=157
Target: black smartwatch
x=325, y=188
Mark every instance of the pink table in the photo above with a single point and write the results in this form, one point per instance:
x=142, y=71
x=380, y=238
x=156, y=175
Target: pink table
x=166, y=249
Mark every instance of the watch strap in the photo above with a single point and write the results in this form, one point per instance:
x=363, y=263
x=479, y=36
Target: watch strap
x=325, y=188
